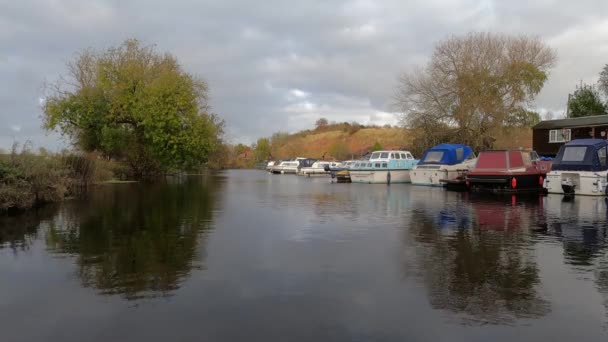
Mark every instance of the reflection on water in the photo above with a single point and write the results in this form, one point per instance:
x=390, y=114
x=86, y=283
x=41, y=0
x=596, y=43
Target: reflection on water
x=133, y=240
x=244, y=256
x=475, y=257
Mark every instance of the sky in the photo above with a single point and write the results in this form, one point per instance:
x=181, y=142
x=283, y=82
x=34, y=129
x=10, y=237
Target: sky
x=281, y=65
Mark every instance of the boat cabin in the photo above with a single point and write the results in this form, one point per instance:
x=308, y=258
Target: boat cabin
x=582, y=155
x=447, y=154
x=390, y=155
x=503, y=160
x=549, y=135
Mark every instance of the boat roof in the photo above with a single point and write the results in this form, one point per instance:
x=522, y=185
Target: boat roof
x=503, y=159
x=591, y=158
x=389, y=151
x=450, y=154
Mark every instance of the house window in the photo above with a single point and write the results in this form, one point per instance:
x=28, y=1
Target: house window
x=559, y=135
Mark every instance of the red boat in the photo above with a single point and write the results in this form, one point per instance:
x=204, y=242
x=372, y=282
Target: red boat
x=507, y=171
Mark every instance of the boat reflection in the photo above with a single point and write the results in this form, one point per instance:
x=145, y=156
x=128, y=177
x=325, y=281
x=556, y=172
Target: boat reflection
x=477, y=264
x=136, y=241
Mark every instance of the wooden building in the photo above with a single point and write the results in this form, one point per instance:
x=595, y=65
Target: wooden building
x=548, y=136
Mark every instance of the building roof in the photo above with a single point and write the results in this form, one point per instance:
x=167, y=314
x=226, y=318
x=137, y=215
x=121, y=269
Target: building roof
x=585, y=121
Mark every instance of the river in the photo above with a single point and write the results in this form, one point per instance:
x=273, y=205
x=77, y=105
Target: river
x=248, y=256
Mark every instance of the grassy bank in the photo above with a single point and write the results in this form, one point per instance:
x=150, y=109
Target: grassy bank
x=29, y=179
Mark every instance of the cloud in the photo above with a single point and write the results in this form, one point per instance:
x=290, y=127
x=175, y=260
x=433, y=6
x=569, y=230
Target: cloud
x=281, y=65
x=16, y=128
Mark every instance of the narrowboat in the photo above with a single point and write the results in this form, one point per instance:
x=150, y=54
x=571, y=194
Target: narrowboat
x=384, y=167
x=580, y=168
x=507, y=171
x=442, y=163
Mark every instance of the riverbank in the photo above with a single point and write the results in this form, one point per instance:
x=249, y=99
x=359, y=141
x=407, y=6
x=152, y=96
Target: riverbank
x=29, y=180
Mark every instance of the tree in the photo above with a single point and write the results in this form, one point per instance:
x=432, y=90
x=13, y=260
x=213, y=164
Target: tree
x=472, y=86
x=585, y=101
x=132, y=103
x=377, y=146
x=603, y=81
x=261, y=150
x=321, y=123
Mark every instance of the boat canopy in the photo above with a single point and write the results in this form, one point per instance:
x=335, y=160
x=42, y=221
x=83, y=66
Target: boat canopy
x=582, y=155
x=447, y=154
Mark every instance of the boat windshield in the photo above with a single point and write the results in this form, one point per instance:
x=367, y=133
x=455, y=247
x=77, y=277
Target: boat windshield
x=384, y=155
x=375, y=155
x=433, y=157
x=574, y=153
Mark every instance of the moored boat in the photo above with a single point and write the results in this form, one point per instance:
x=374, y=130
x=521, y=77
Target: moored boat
x=319, y=168
x=383, y=167
x=506, y=171
x=581, y=168
x=443, y=163
x=286, y=166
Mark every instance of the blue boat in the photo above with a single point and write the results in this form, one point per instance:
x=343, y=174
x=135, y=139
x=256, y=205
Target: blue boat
x=443, y=163
x=581, y=168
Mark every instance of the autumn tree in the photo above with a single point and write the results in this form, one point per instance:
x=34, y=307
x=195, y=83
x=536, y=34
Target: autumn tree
x=472, y=86
x=134, y=104
x=585, y=101
x=603, y=81
x=321, y=123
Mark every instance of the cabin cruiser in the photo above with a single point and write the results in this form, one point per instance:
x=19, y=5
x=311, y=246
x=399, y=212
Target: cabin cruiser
x=384, y=167
x=507, y=171
x=442, y=162
x=269, y=165
x=286, y=166
x=319, y=168
x=580, y=168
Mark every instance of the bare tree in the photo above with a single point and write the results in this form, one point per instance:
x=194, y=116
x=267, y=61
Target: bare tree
x=473, y=85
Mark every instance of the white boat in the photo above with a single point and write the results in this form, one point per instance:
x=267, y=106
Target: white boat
x=443, y=162
x=580, y=168
x=269, y=165
x=286, y=166
x=319, y=168
x=383, y=167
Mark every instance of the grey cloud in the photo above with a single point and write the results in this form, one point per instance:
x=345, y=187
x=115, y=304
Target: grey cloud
x=346, y=55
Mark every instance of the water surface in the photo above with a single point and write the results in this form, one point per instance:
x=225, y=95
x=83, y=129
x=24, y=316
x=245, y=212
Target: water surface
x=247, y=256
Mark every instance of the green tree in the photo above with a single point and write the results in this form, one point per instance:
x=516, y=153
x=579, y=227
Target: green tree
x=474, y=85
x=585, y=101
x=131, y=102
x=377, y=146
x=261, y=150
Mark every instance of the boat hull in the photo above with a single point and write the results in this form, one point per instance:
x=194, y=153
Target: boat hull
x=380, y=176
x=586, y=183
x=430, y=177
x=503, y=182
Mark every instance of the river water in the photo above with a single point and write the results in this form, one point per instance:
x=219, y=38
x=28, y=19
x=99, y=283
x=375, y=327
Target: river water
x=248, y=256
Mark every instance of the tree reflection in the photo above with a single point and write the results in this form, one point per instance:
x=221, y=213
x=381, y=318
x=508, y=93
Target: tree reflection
x=137, y=240
x=17, y=232
x=482, y=268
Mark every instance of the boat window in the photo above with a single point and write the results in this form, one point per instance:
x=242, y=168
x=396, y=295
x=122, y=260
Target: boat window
x=403, y=156
x=409, y=156
x=384, y=155
x=375, y=155
x=384, y=165
x=369, y=164
x=574, y=153
x=392, y=156
x=358, y=165
x=433, y=157
x=377, y=165
x=397, y=156
x=601, y=154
